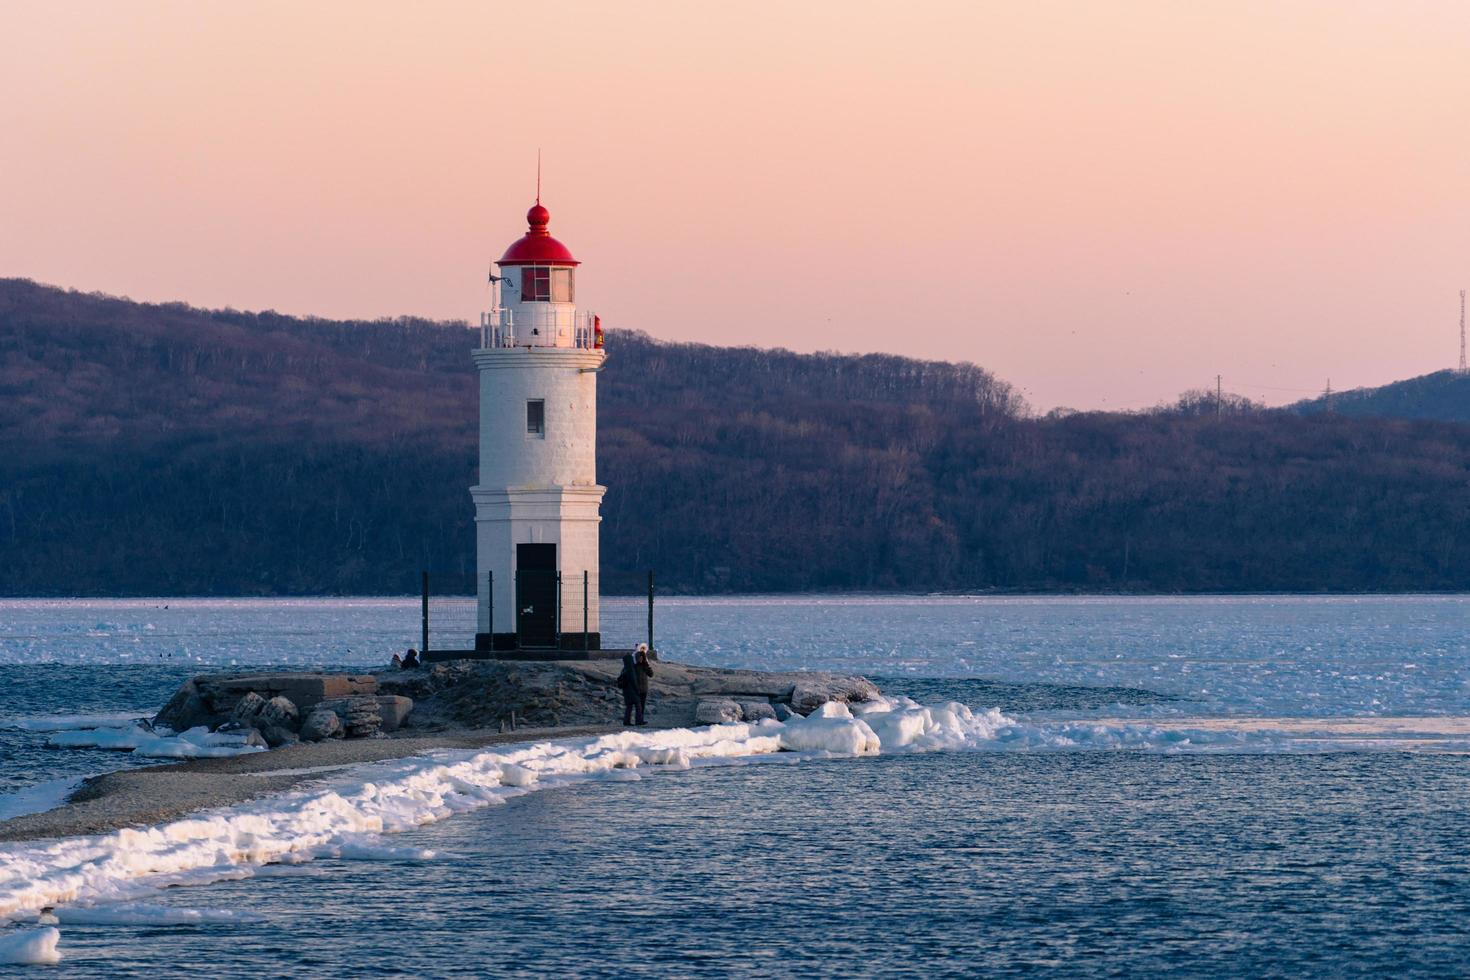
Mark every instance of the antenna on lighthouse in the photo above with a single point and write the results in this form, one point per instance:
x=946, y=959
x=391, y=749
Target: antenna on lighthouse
x=538, y=184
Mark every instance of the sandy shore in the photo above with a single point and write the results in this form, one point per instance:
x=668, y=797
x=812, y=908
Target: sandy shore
x=139, y=797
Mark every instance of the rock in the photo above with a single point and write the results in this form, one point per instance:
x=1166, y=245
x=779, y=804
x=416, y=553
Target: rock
x=248, y=707
x=322, y=723
x=756, y=710
x=716, y=711
x=275, y=736
x=251, y=733
x=807, y=695
x=184, y=710
x=393, y=710
x=280, y=712
x=209, y=699
x=784, y=712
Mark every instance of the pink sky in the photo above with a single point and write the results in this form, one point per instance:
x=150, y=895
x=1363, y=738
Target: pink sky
x=1103, y=203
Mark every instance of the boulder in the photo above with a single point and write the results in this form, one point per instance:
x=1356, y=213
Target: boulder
x=716, y=711
x=361, y=717
x=756, y=711
x=784, y=712
x=251, y=733
x=322, y=723
x=807, y=695
x=185, y=710
x=275, y=736
x=279, y=712
x=393, y=711
x=248, y=707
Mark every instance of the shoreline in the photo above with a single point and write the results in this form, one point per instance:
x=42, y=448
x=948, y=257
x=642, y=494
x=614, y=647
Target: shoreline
x=157, y=794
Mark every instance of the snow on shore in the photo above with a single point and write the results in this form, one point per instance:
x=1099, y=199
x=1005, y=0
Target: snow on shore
x=344, y=815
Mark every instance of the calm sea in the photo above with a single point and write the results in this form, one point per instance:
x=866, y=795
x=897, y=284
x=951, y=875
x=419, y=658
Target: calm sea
x=1094, y=841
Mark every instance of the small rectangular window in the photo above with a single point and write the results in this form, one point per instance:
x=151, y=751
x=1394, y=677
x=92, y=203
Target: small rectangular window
x=536, y=418
x=561, y=286
x=535, y=284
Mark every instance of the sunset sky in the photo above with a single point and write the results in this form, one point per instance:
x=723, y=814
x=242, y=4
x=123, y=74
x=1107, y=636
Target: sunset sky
x=1103, y=203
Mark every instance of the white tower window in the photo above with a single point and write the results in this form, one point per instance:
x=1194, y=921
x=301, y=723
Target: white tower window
x=536, y=418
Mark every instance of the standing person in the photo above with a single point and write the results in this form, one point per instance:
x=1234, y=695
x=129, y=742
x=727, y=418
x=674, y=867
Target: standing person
x=628, y=687
x=642, y=674
x=633, y=682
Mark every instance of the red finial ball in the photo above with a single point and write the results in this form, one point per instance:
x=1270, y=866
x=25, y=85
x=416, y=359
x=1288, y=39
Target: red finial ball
x=538, y=216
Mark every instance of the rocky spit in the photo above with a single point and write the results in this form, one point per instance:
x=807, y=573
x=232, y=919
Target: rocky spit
x=280, y=709
x=319, y=723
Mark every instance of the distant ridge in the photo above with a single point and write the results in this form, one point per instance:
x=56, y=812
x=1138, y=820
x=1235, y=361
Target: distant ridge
x=159, y=449
x=1443, y=395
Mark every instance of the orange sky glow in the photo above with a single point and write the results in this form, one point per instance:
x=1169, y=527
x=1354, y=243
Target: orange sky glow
x=1103, y=203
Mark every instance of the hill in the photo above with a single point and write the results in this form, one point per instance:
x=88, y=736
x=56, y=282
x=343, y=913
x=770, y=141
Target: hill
x=1443, y=395
x=162, y=449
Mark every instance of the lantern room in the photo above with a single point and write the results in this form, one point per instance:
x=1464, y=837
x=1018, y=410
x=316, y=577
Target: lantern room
x=535, y=293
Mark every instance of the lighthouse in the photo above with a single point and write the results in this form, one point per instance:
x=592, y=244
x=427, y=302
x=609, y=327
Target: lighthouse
x=537, y=501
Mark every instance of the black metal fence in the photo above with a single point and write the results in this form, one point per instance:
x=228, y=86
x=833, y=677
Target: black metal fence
x=537, y=611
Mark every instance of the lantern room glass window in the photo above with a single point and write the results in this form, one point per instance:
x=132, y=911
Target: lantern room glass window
x=541, y=284
x=535, y=284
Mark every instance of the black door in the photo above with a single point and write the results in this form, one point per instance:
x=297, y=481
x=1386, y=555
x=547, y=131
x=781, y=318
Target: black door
x=536, y=594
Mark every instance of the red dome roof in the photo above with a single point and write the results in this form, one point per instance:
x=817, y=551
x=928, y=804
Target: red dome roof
x=536, y=246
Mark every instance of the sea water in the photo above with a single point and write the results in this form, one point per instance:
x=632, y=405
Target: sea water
x=1134, y=816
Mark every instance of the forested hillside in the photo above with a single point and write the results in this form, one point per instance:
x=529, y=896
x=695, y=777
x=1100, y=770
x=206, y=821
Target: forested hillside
x=150, y=449
x=1443, y=395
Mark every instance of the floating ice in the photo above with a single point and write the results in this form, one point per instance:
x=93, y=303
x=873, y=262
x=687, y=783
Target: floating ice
x=66, y=723
x=140, y=739
x=38, y=798
x=30, y=946
x=140, y=914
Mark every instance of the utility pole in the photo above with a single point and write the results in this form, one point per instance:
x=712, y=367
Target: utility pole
x=1217, y=396
x=1329, y=394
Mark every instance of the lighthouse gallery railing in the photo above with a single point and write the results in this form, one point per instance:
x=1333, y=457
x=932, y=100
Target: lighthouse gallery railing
x=554, y=328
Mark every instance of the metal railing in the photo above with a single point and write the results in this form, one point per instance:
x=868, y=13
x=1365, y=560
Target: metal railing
x=549, y=328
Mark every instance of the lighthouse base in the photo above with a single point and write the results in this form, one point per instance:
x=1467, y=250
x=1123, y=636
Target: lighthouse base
x=510, y=641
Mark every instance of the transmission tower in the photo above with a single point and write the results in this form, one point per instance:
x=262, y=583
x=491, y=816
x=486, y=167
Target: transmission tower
x=1462, y=332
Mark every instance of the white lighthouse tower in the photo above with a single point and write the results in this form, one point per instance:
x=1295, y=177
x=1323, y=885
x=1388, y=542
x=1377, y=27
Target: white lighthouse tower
x=537, y=502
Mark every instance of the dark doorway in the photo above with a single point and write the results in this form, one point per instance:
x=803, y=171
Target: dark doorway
x=536, y=595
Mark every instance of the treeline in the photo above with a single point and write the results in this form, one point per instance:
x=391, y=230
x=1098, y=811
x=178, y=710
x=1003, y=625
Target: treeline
x=169, y=450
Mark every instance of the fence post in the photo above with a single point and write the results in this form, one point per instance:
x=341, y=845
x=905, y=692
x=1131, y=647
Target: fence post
x=650, y=611
x=490, y=622
x=586, y=641
x=558, y=610
x=424, y=641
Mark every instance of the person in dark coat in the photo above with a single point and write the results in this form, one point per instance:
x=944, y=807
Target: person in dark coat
x=410, y=659
x=634, y=683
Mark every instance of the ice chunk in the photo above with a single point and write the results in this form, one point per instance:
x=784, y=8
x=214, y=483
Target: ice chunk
x=31, y=946
x=139, y=914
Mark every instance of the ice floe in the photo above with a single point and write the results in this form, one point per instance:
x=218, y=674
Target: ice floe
x=27, y=947
x=38, y=798
x=159, y=743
